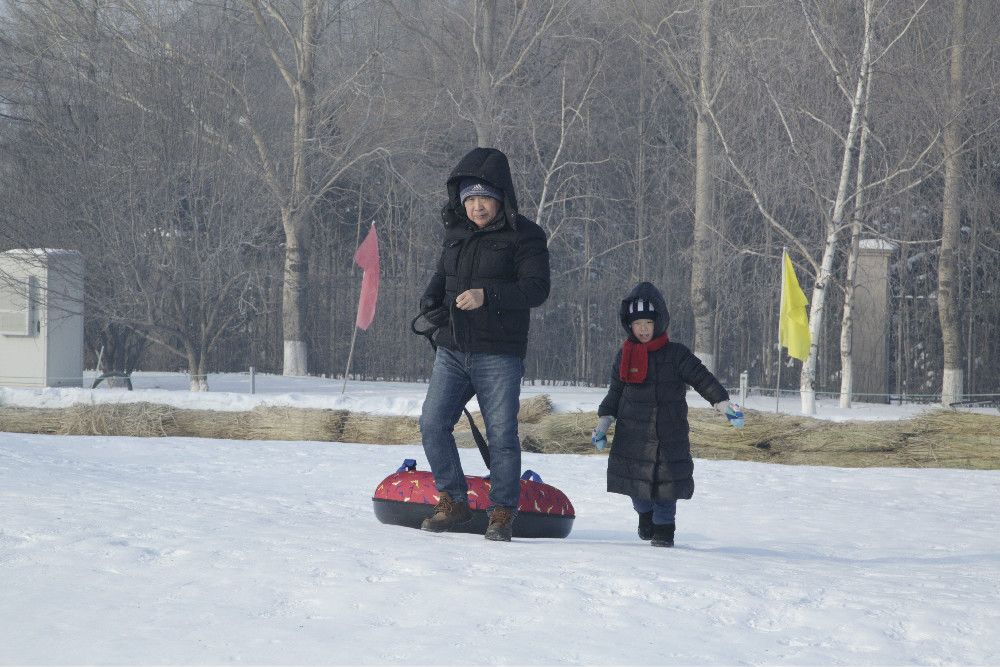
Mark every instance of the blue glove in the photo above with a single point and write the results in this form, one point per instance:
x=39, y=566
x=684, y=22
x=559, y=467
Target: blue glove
x=599, y=436
x=599, y=439
x=734, y=416
x=732, y=413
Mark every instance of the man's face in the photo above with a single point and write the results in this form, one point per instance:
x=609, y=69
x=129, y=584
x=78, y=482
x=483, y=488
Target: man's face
x=481, y=209
x=643, y=330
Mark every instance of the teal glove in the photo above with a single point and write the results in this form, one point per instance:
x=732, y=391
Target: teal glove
x=732, y=413
x=599, y=436
x=599, y=439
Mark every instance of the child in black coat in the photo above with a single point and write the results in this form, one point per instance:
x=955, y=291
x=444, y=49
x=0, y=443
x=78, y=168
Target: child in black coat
x=650, y=459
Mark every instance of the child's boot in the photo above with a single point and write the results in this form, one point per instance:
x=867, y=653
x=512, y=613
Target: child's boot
x=663, y=535
x=646, y=525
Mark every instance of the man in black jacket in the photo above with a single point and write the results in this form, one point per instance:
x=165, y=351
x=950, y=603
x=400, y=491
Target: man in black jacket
x=494, y=267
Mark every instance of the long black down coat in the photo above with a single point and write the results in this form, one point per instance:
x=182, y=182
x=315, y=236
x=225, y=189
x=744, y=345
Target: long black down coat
x=508, y=259
x=651, y=453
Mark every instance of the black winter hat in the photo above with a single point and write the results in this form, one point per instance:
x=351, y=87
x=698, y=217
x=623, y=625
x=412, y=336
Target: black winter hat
x=472, y=187
x=641, y=309
x=654, y=308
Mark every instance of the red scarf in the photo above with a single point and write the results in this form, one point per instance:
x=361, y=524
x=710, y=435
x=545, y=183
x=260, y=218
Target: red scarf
x=635, y=358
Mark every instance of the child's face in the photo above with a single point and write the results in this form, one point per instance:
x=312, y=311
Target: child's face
x=643, y=330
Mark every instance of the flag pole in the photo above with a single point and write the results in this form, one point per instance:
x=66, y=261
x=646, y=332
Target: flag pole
x=777, y=387
x=781, y=291
x=366, y=256
x=350, y=354
x=354, y=333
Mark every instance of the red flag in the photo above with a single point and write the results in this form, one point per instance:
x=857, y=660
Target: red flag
x=366, y=257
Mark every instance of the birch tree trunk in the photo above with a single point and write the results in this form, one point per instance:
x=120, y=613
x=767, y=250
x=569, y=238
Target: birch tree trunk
x=948, y=276
x=485, y=120
x=847, y=321
x=197, y=374
x=817, y=307
x=639, y=177
x=702, y=289
x=295, y=209
x=294, y=296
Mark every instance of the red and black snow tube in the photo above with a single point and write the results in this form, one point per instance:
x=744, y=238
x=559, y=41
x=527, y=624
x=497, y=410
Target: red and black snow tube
x=408, y=496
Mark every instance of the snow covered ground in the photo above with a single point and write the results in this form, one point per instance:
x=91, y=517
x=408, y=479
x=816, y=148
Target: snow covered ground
x=231, y=391
x=190, y=551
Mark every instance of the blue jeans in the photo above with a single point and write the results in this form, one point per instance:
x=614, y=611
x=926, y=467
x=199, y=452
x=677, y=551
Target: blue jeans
x=496, y=380
x=664, y=511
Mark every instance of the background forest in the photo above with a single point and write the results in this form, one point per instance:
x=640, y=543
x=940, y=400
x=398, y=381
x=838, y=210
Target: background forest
x=217, y=162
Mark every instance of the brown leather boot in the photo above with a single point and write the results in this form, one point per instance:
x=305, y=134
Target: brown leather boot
x=447, y=515
x=501, y=524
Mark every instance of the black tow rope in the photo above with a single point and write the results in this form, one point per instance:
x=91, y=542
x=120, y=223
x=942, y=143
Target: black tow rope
x=476, y=435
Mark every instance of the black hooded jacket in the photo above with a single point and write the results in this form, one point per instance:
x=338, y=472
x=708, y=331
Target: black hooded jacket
x=508, y=259
x=651, y=454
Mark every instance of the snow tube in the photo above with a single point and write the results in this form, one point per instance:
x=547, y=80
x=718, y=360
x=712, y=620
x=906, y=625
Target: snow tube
x=408, y=496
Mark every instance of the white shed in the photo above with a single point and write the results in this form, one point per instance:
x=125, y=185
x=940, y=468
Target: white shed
x=41, y=318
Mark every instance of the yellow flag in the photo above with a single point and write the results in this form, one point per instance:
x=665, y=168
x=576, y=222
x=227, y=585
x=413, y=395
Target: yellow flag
x=793, y=324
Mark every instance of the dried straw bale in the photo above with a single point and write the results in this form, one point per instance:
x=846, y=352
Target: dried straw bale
x=212, y=424
x=566, y=433
x=380, y=429
x=792, y=439
x=141, y=420
x=398, y=430
x=531, y=411
x=952, y=439
x=30, y=420
x=534, y=409
x=280, y=423
x=943, y=438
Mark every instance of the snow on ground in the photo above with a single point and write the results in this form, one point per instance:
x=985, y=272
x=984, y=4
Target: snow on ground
x=188, y=551
x=231, y=391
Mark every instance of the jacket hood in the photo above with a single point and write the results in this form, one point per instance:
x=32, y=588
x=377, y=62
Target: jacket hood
x=647, y=291
x=489, y=165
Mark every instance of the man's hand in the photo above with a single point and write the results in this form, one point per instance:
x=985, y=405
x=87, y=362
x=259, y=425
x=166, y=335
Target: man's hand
x=470, y=299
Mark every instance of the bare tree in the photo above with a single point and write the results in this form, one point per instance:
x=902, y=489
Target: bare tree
x=478, y=56
x=136, y=183
x=701, y=87
x=297, y=166
x=847, y=318
x=686, y=152
x=299, y=188
x=834, y=223
x=948, y=260
x=702, y=274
